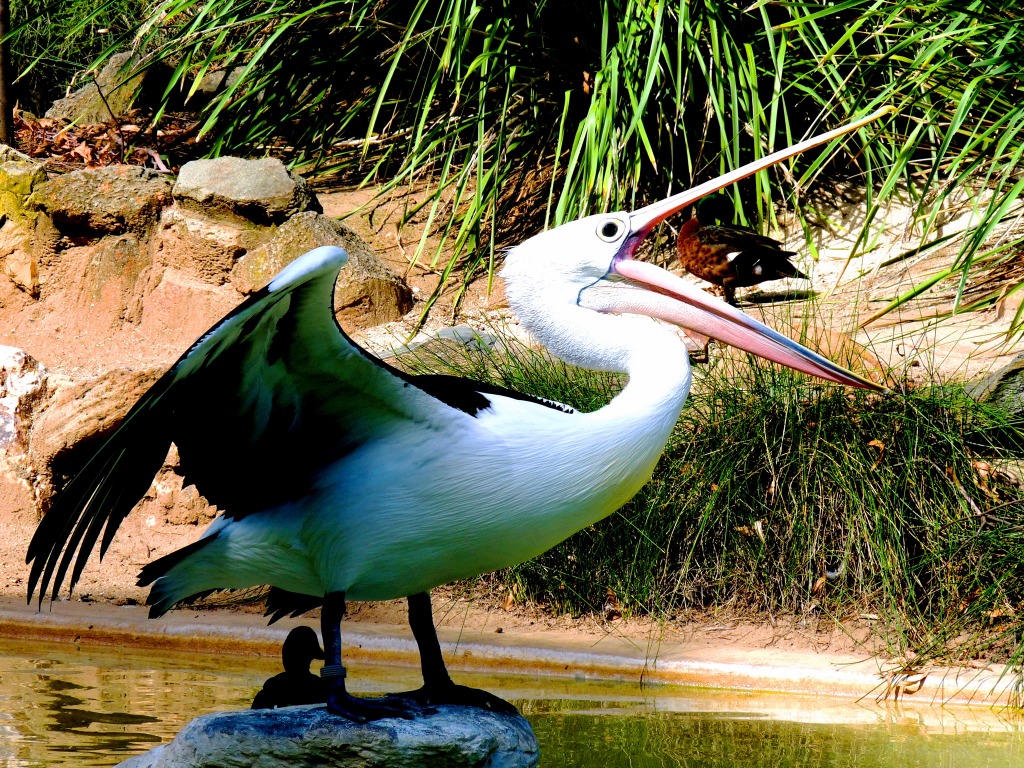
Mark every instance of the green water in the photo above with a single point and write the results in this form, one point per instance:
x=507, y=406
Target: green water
x=60, y=705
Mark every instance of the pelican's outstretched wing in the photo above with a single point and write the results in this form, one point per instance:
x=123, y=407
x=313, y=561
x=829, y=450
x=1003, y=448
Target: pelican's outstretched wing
x=258, y=406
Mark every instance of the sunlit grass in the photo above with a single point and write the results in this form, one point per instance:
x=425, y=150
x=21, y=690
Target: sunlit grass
x=516, y=115
x=54, y=44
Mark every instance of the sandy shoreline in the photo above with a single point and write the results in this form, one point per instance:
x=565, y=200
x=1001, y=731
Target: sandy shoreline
x=658, y=657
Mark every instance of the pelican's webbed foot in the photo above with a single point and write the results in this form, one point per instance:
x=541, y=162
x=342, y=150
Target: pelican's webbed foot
x=359, y=710
x=450, y=693
x=341, y=702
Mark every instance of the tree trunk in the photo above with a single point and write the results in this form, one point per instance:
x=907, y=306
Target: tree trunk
x=6, y=103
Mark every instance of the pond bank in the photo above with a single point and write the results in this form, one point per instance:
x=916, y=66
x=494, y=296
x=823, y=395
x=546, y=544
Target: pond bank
x=656, y=658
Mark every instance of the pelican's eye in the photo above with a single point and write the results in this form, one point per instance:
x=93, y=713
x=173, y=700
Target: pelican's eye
x=609, y=230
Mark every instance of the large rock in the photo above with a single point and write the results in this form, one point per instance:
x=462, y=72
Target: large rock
x=19, y=177
x=448, y=736
x=115, y=270
x=182, y=306
x=78, y=413
x=19, y=259
x=109, y=95
x=261, y=191
x=1004, y=388
x=206, y=245
x=66, y=425
x=367, y=292
x=112, y=200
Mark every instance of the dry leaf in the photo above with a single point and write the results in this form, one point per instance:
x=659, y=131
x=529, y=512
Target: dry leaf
x=878, y=444
x=83, y=151
x=759, y=527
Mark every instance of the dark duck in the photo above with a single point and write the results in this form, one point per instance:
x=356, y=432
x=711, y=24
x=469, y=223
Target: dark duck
x=296, y=685
x=732, y=257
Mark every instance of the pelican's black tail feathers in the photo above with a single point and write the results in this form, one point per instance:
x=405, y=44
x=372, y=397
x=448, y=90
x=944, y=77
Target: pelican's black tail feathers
x=281, y=603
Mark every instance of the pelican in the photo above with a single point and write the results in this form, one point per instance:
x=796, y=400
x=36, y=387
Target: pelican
x=342, y=478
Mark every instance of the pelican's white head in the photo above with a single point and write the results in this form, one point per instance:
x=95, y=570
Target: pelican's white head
x=561, y=280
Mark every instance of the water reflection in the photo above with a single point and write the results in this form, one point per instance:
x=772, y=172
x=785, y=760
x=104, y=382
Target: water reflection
x=65, y=706
x=673, y=739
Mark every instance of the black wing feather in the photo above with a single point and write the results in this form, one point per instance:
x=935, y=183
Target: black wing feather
x=103, y=493
x=470, y=396
x=118, y=472
x=282, y=603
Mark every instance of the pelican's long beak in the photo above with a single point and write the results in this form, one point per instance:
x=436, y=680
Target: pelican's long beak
x=684, y=305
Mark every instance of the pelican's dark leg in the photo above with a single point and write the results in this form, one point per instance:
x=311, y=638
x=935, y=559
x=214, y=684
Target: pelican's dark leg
x=421, y=621
x=438, y=687
x=339, y=700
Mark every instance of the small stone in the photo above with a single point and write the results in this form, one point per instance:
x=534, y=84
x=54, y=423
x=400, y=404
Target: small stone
x=110, y=95
x=112, y=200
x=213, y=83
x=262, y=191
x=447, y=736
x=8, y=153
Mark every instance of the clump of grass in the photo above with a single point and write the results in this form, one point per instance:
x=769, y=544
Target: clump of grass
x=778, y=494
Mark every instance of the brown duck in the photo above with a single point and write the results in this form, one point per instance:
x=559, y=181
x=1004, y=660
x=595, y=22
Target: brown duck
x=732, y=257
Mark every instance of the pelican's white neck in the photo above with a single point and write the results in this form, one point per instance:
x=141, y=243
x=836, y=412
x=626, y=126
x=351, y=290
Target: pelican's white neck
x=650, y=354
x=606, y=456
